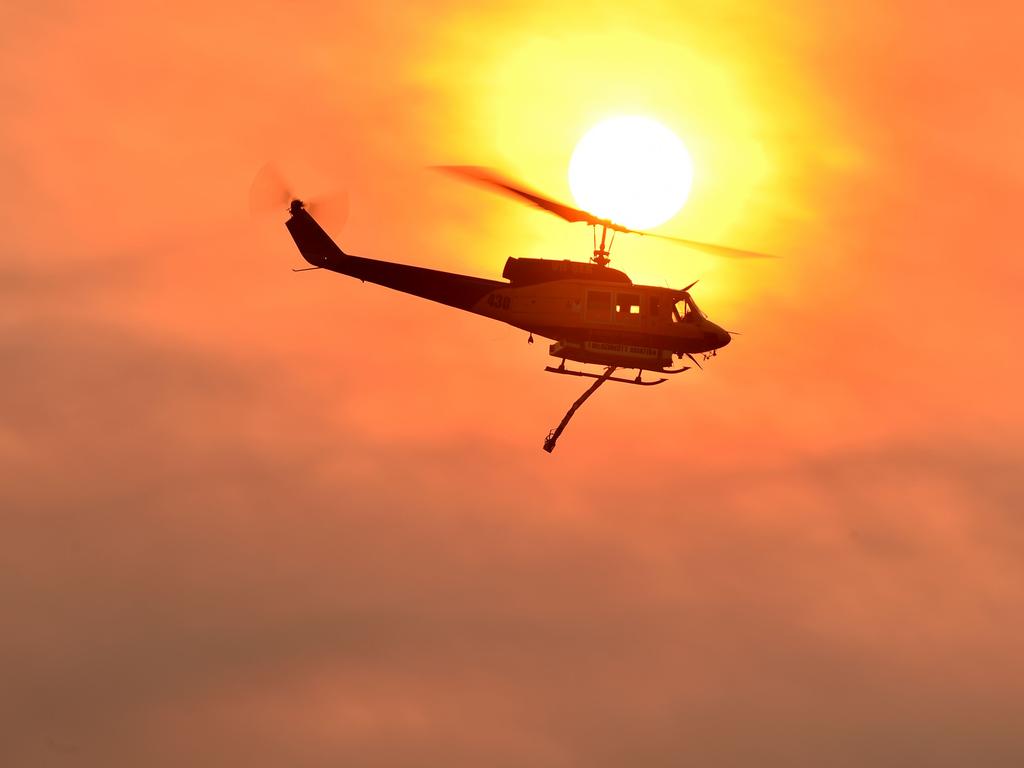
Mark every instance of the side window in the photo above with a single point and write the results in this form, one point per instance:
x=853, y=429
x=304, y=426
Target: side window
x=655, y=306
x=599, y=306
x=627, y=308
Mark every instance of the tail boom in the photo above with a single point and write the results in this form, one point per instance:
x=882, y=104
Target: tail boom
x=317, y=247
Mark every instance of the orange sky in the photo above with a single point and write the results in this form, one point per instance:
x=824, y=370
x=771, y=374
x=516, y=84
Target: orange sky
x=265, y=518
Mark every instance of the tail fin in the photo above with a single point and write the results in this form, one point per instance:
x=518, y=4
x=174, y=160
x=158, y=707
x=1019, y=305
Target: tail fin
x=314, y=244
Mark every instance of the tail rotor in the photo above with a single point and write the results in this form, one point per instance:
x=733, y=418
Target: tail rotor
x=270, y=193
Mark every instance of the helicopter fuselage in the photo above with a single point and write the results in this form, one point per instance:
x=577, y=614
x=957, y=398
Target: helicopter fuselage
x=593, y=313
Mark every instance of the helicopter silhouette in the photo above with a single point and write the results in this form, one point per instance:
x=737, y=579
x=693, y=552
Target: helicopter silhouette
x=593, y=314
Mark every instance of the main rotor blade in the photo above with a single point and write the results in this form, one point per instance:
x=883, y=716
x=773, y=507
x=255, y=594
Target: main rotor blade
x=492, y=178
x=717, y=250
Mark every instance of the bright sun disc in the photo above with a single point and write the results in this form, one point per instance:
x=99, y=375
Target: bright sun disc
x=632, y=170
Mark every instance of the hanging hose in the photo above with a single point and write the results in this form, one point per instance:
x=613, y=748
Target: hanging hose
x=553, y=435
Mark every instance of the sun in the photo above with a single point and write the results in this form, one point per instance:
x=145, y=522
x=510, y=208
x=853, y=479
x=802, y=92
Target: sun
x=632, y=170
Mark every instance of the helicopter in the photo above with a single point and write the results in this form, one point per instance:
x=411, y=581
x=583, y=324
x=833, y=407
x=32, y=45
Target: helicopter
x=593, y=314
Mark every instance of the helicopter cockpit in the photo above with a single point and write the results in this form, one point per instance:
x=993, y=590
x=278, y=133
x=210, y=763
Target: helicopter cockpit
x=685, y=310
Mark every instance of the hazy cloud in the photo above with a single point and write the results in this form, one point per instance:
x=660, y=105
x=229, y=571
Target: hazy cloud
x=254, y=517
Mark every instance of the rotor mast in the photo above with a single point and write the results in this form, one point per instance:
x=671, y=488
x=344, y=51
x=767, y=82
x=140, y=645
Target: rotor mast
x=602, y=252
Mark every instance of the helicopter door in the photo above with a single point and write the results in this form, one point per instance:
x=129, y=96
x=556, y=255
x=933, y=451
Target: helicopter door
x=599, y=307
x=658, y=312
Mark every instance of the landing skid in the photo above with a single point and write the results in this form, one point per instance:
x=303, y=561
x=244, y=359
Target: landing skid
x=638, y=381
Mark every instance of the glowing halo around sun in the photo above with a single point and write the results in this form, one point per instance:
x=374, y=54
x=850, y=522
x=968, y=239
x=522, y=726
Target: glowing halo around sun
x=632, y=170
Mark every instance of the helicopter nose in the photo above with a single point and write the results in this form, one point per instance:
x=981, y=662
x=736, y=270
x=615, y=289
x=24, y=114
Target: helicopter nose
x=717, y=336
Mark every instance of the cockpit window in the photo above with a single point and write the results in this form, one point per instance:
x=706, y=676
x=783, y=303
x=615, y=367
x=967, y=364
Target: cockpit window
x=687, y=310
